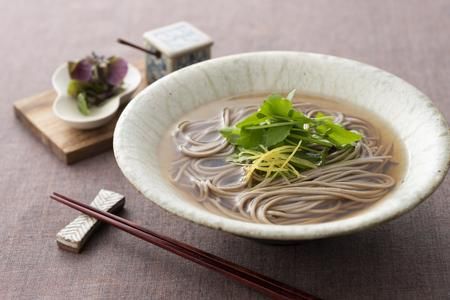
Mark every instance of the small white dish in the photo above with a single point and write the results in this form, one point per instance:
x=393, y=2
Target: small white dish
x=65, y=106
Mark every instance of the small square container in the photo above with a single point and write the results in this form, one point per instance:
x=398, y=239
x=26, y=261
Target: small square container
x=180, y=44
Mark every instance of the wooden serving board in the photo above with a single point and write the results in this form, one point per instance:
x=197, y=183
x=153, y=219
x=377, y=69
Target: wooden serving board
x=70, y=145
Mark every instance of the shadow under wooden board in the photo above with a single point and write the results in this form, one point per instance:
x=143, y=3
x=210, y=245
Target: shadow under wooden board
x=68, y=144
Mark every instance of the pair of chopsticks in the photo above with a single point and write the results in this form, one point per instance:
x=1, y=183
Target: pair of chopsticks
x=259, y=282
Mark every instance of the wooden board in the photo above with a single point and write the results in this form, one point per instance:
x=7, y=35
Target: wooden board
x=70, y=145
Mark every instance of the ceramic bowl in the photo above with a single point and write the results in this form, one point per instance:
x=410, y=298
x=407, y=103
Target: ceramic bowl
x=420, y=126
x=65, y=107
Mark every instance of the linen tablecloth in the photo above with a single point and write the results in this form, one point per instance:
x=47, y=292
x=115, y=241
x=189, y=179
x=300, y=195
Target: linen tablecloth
x=408, y=258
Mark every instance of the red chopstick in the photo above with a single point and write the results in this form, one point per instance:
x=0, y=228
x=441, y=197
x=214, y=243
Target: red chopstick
x=259, y=282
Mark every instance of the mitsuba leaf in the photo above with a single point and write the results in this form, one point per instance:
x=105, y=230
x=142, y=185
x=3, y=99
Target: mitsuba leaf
x=250, y=138
x=299, y=117
x=276, y=105
x=275, y=135
x=254, y=138
x=252, y=120
x=230, y=134
x=340, y=136
x=279, y=138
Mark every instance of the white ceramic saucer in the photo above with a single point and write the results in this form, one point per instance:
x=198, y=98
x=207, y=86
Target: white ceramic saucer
x=65, y=106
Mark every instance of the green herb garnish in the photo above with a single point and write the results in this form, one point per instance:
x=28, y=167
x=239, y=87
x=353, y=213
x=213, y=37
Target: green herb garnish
x=82, y=104
x=263, y=139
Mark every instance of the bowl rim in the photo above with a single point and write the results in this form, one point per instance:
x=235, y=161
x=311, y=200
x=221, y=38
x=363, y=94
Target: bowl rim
x=272, y=231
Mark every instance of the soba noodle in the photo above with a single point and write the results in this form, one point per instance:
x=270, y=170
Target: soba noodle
x=351, y=179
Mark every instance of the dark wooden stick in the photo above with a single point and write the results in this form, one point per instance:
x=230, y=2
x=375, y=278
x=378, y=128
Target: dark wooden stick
x=261, y=283
x=154, y=53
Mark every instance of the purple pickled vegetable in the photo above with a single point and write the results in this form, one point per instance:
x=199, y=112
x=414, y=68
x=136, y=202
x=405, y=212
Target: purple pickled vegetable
x=117, y=69
x=81, y=70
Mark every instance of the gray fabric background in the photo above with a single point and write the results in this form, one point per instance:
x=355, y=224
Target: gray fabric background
x=408, y=258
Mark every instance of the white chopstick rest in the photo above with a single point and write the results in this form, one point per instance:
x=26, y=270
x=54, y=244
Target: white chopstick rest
x=76, y=233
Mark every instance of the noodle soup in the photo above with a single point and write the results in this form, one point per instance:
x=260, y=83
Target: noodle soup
x=198, y=160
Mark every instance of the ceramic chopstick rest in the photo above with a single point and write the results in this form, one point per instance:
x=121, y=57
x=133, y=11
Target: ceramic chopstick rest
x=76, y=233
x=180, y=44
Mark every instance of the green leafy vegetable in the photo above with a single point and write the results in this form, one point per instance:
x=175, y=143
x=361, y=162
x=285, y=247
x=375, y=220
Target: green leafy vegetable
x=252, y=138
x=335, y=132
x=254, y=118
x=82, y=104
x=276, y=106
x=275, y=135
x=277, y=128
x=277, y=119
